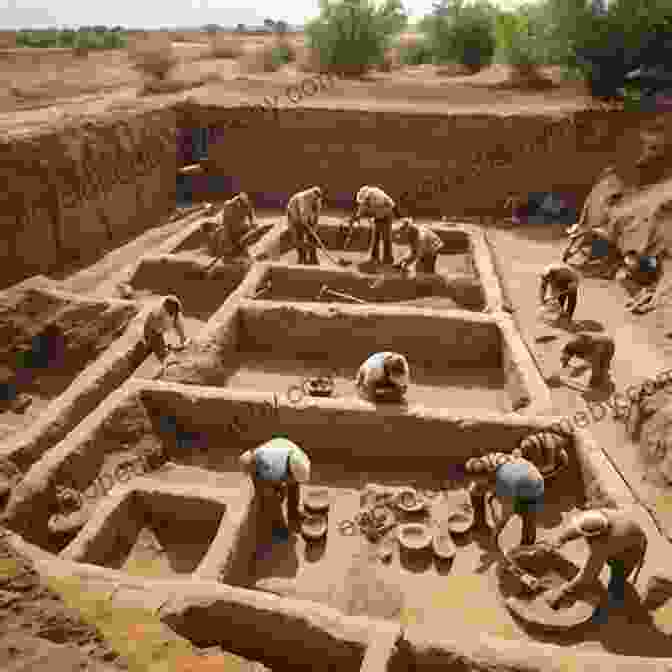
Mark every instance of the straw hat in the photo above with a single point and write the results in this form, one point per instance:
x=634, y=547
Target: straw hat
x=299, y=465
x=592, y=523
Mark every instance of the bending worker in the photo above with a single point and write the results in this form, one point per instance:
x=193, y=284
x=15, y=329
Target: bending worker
x=563, y=281
x=277, y=468
x=383, y=375
x=303, y=214
x=616, y=539
x=518, y=484
x=168, y=315
x=424, y=246
x=597, y=349
x=374, y=203
x=232, y=229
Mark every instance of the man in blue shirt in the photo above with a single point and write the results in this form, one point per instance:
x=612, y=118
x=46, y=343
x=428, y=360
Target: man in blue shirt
x=277, y=468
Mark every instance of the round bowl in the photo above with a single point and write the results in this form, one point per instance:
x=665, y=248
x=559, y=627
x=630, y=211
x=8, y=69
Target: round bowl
x=316, y=500
x=443, y=544
x=414, y=536
x=410, y=501
x=314, y=527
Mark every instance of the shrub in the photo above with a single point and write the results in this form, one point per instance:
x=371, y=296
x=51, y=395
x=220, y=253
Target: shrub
x=465, y=35
x=519, y=41
x=269, y=57
x=415, y=50
x=352, y=36
x=284, y=51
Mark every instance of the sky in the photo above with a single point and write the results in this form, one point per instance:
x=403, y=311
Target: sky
x=170, y=13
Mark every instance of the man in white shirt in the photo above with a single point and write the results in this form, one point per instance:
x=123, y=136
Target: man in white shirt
x=424, y=245
x=374, y=203
x=563, y=281
x=303, y=212
x=383, y=375
x=232, y=228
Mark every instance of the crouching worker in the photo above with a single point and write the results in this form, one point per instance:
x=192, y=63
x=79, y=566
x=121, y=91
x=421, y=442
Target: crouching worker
x=374, y=203
x=303, y=215
x=563, y=281
x=383, y=376
x=424, y=246
x=277, y=469
x=597, y=349
x=615, y=539
x=518, y=485
x=232, y=230
x=168, y=315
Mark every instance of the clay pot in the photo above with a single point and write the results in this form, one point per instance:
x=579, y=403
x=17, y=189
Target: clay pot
x=314, y=527
x=414, y=536
x=410, y=501
x=316, y=500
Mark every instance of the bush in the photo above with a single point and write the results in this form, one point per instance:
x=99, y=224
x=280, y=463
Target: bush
x=415, y=50
x=284, y=51
x=518, y=41
x=464, y=36
x=352, y=36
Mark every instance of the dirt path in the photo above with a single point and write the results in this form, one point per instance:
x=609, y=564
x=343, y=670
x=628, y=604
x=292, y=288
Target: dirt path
x=641, y=351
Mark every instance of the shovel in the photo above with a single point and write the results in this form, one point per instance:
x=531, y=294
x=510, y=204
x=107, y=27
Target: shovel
x=338, y=262
x=339, y=295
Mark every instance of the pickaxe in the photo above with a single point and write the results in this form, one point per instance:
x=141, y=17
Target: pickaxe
x=325, y=290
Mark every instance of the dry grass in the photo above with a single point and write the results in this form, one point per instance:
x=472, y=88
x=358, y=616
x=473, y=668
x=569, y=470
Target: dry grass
x=258, y=59
x=161, y=86
x=308, y=60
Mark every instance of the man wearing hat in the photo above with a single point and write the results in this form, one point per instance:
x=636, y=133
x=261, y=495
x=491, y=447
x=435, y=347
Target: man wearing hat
x=277, y=468
x=563, y=281
x=518, y=485
x=616, y=539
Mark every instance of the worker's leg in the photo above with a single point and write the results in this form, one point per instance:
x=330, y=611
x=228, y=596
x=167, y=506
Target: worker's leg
x=293, y=501
x=572, y=299
x=374, y=254
x=301, y=245
x=529, y=536
x=386, y=233
x=617, y=581
x=426, y=264
x=157, y=344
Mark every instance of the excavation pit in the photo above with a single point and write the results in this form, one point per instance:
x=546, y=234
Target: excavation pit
x=135, y=531
x=192, y=428
x=48, y=338
x=457, y=359
x=327, y=285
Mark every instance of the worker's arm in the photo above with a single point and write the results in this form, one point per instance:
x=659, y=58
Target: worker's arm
x=543, y=288
x=588, y=574
x=413, y=249
x=179, y=328
x=570, y=533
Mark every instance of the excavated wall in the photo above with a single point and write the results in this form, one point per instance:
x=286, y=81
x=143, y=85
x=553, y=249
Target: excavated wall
x=72, y=192
x=460, y=164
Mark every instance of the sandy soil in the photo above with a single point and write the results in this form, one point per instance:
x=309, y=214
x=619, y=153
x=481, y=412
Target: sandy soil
x=642, y=347
x=466, y=389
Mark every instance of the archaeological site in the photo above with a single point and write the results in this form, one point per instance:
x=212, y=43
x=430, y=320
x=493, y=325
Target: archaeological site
x=121, y=471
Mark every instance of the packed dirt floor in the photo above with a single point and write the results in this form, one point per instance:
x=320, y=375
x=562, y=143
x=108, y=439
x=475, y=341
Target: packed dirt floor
x=643, y=346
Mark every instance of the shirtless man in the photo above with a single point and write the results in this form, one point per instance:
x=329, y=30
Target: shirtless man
x=166, y=316
x=231, y=230
x=374, y=203
x=616, y=539
x=303, y=211
x=597, y=349
x=383, y=373
x=424, y=245
x=563, y=281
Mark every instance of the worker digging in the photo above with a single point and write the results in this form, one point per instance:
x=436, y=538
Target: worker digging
x=424, y=246
x=163, y=318
x=563, y=282
x=596, y=349
x=303, y=215
x=374, y=203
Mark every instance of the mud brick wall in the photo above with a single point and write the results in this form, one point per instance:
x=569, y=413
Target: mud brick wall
x=448, y=165
x=73, y=192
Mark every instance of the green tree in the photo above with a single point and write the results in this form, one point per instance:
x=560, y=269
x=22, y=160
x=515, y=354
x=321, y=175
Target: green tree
x=351, y=36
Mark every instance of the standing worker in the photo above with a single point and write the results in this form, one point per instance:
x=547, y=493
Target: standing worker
x=168, y=315
x=597, y=349
x=374, y=203
x=616, y=539
x=277, y=469
x=518, y=484
x=303, y=214
x=564, y=283
x=386, y=374
x=424, y=245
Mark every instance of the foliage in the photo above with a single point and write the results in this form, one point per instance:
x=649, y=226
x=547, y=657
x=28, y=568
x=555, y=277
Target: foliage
x=461, y=33
x=93, y=38
x=520, y=39
x=352, y=36
x=415, y=51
